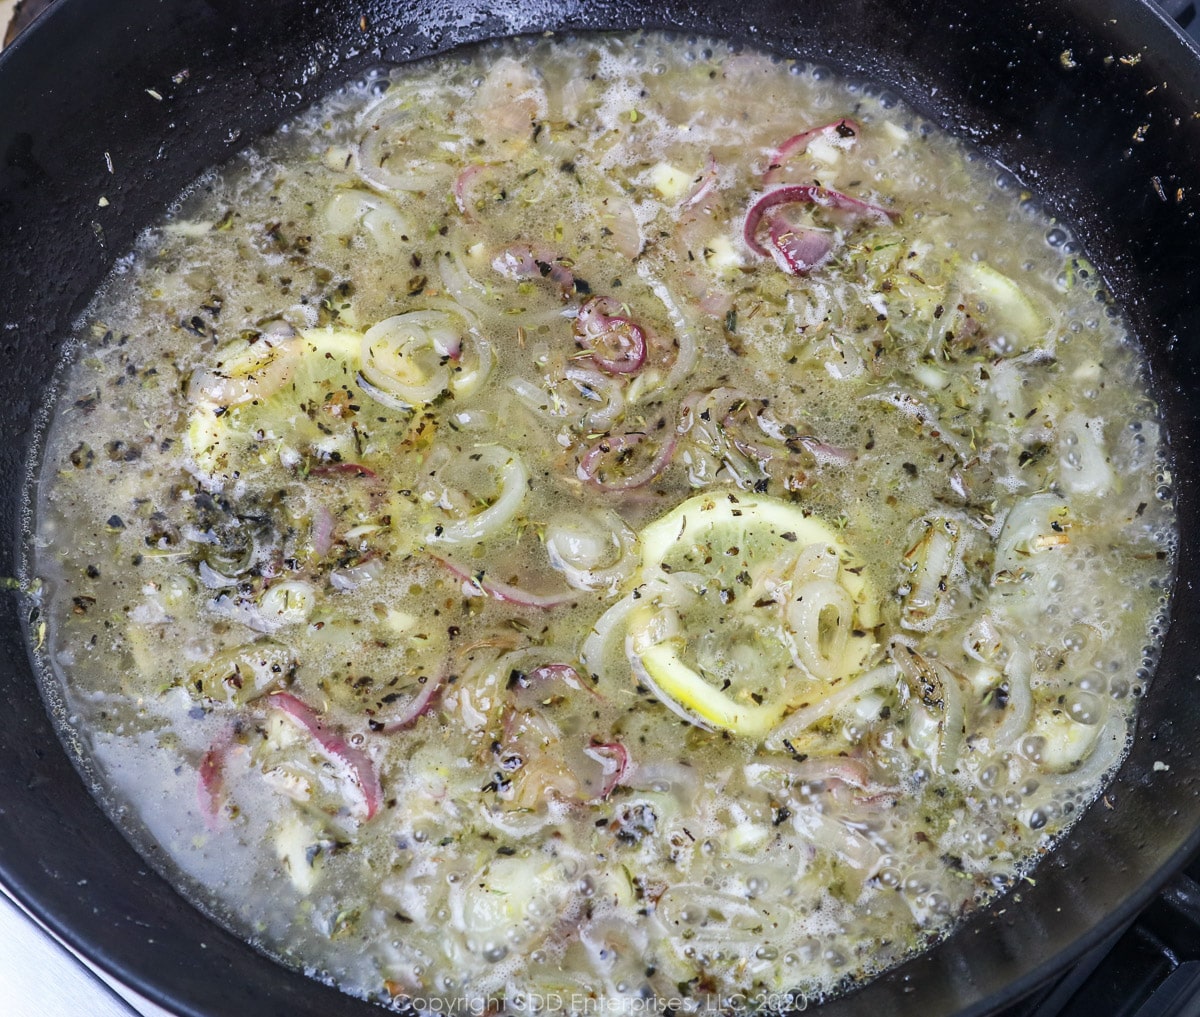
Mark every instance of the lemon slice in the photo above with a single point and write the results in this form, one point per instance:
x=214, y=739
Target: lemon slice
x=723, y=580
x=760, y=529
x=257, y=406
x=690, y=689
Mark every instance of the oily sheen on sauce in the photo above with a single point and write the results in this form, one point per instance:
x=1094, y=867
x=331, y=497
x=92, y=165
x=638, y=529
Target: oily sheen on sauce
x=609, y=519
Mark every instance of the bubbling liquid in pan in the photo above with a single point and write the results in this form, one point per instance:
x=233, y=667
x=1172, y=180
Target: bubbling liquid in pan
x=604, y=519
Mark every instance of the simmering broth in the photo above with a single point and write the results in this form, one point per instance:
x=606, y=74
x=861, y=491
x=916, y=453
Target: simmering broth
x=602, y=522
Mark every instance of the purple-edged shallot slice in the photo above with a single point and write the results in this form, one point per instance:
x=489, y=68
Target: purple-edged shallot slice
x=412, y=708
x=210, y=784
x=466, y=189
x=840, y=134
x=335, y=747
x=519, y=262
x=477, y=584
x=613, y=758
x=617, y=343
x=798, y=248
x=322, y=530
x=618, y=463
x=565, y=673
x=703, y=186
x=343, y=470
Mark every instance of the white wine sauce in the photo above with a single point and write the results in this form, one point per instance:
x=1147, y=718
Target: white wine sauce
x=602, y=521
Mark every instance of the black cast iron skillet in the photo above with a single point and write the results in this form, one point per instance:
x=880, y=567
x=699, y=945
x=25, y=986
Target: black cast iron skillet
x=1093, y=102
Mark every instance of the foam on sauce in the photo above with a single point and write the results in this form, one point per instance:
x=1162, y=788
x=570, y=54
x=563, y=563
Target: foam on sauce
x=488, y=579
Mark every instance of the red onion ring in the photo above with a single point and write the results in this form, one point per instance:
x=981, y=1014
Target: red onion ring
x=613, y=758
x=591, y=463
x=704, y=185
x=335, y=747
x=844, y=131
x=793, y=246
x=349, y=469
x=322, y=531
x=596, y=327
x=463, y=186
x=808, y=194
x=210, y=786
x=798, y=249
x=716, y=303
x=565, y=673
x=834, y=455
x=476, y=585
x=415, y=708
x=520, y=261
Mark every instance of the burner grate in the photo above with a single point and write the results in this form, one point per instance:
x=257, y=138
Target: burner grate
x=1149, y=969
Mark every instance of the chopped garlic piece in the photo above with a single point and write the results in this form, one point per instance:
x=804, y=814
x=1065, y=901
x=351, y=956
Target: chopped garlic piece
x=671, y=182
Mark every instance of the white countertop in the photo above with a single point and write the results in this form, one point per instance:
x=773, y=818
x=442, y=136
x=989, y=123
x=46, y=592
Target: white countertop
x=40, y=978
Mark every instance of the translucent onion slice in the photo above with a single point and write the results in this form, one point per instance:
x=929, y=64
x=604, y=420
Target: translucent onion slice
x=608, y=627
x=334, y=746
x=930, y=563
x=830, y=703
x=820, y=617
x=841, y=134
x=704, y=184
x=512, y=483
x=583, y=393
x=465, y=184
x=1034, y=526
x=594, y=552
x=394, y=151
x=613, y=758
x=414, y=357
x=603, y=464
x=410, y=710
x=688, y=351
x=352, y=210
x=1018, y=711
x=936, y=712
x=477, y=584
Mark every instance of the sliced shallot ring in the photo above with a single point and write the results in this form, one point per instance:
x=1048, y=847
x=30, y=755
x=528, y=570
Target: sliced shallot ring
x=688, y=351
x=704, y=185
x=520, y=261
x=798, y=249
x=322, y=531
x=210, y=785
x=613, y=758
x=390, y=136
x=414, y=709
x=335, y=747
x=590, y=464
x=478, y=585
x=595, y=568
x=514, y=480
x=565, y=673
x=807, y=194
x=595, y=324
x=463, y=184
x=842, y=133
x=342, y=469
